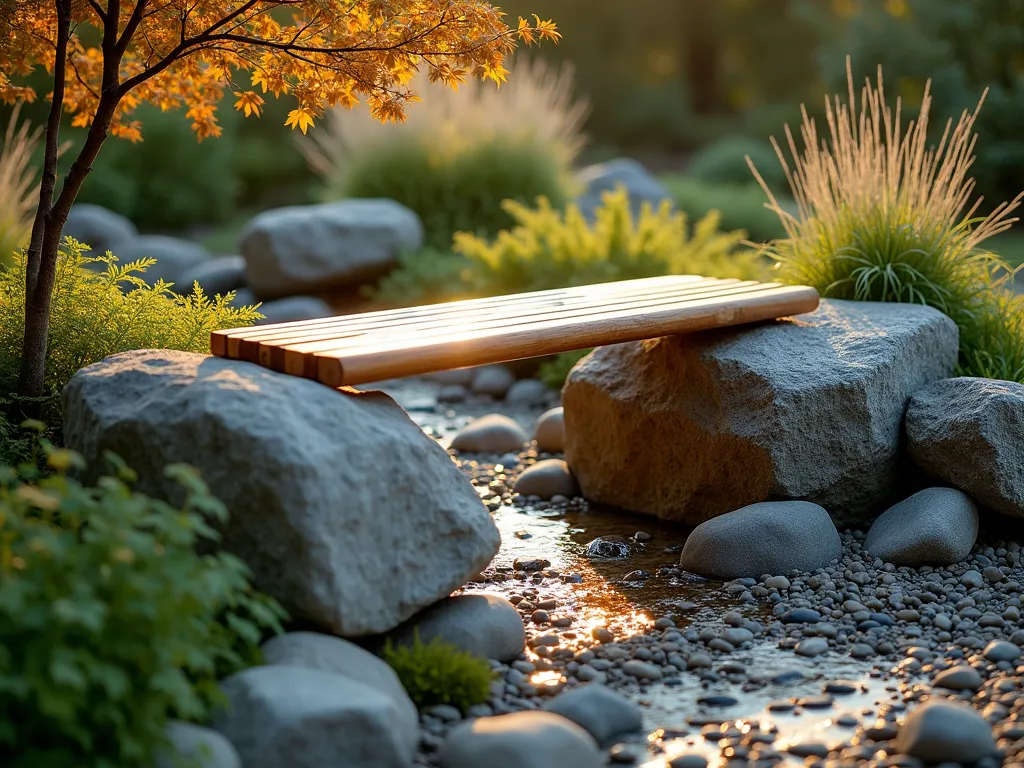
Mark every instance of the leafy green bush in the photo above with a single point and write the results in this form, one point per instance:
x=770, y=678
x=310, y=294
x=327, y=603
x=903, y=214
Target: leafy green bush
x=110, y=622
x=92, y=317
x=882, y=216
x=724, y=162
x=456, y=188
x=741, y=206
x=439, y=673
x=549, y=249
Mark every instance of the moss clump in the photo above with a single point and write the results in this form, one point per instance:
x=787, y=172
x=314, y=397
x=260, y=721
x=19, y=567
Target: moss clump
x=440, y=673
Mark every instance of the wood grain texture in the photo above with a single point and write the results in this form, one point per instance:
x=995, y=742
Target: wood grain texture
x=373, y=346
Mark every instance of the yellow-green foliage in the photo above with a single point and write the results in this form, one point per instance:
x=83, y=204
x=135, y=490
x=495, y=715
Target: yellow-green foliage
x=96, y=314
x=110, y=621
x=550, y=249
x=439, y=673
x=882, y=215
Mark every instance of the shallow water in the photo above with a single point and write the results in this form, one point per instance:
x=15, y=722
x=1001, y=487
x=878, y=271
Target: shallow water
x=596, y=593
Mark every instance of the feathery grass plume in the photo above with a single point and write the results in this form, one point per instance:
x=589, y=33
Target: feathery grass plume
x=883, y=215
x=19, y=189
x=459, y=155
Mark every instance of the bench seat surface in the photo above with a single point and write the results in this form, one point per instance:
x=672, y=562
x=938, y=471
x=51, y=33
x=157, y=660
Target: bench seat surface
x=374, y=346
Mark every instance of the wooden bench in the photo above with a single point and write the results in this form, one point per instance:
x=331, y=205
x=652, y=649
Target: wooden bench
x=375, y=346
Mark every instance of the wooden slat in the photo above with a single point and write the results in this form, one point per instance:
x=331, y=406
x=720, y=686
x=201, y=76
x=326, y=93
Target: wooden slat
x=533, y=340
x=297, y=356
x=262, y=349
x=221, y=339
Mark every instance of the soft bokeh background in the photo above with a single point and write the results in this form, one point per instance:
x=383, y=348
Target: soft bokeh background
x=686, y=86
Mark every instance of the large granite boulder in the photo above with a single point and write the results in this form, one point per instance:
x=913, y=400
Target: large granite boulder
x=690, y=427
x=345, y=511
x=219, y=275
x=640, y=184
x=99, y=228
x=310, y=248
x=970, y=433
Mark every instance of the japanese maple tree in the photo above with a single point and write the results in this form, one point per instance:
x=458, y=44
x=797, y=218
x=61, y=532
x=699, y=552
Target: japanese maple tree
x=108, y=56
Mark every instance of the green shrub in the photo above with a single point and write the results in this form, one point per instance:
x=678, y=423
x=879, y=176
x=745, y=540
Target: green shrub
x=421, y=277
x=92, y=317
x=741, y=206
x=440, y=673
x=724, y=162
x=453, y=188
x=549, y=249
x=110, y=622
x=882, y=216
x=169, y=180
x=554, y=371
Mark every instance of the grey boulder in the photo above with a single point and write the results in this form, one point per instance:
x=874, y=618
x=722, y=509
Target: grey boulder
x=332, y=494
x=768, y=537
x=308, y=248
x=969, y=432
x=602, y=712
x=549, y=432
x=99, y=228
x=943, y=732
x=936, y=526
x=194, y=746
x=520, y=740
x=688, y=427
x=528, y=392
x=640, y=184
x=493, y=433
x=294, y=308
x=303, y=718
x=174, y=256
x=219, y=275
x=494, y=380
x=312, y=650
x=488, y=626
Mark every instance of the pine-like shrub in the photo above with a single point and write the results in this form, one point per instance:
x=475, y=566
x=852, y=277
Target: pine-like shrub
x=883, y=215
x=94, y=316
x=110, y=622
x=439, y=673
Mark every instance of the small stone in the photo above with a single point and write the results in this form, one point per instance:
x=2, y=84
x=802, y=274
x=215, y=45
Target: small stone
x=549, y=431
x=641, y=669
x=547, y=478
x=813, y=646
x=520, y=740
x=487, y=626
x=528, y=392
x=941, y=731
x=1001, y=650
x=936, y=526
x=602, y=712
x=196, y=747
x=958, y=678
x=493, y=380
x=602, y=635
x=688, y=760
x=801, y=616
x=717, y=700
x=493, y=433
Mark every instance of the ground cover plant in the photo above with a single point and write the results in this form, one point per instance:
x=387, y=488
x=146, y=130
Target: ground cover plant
x=110, y=622
x=438, y=673
x=884, y=215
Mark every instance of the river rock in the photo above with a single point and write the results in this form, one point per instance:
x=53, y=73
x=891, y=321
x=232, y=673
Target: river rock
x=312, y=650
x=691, y=426
x=174, y=256
x=294, y=308
x=967, y=432
x=303, y=718
x=602, y=712
x=520, y=740
x=936, y=526
x=308, y=248
x=550, y=431
x=99, y=228
x=219, y=275
x=943, y=732
x=195, y=747
x=487, y=626
x=528, y=392
x=641, y=185
x=547, y=478
x=494, y=433
x=331, y=493
x=493, y=380
x=770, y=537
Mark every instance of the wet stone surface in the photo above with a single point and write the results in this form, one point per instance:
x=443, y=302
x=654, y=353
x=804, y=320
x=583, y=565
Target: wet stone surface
x=814, y=669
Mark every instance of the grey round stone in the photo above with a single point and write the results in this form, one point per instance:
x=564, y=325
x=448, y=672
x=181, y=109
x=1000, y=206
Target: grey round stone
x=958, y=678
x=1001, y=650
x=520, y=740
x=494, y=433
x=945, y=732
x=549, y=431
x=487, y=626
x=604, y=713
x=197, y=747
x=493, y=380
x=547, y=478
x=528, y=392
x=936, y=526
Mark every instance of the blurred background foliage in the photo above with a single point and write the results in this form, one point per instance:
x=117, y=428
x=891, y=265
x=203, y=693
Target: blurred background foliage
x=686, y=86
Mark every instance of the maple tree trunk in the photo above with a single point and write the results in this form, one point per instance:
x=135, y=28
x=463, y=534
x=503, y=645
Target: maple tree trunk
x=51, y=215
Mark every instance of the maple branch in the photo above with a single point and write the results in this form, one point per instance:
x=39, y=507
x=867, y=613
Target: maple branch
x=138, y=12
x=99, y=10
